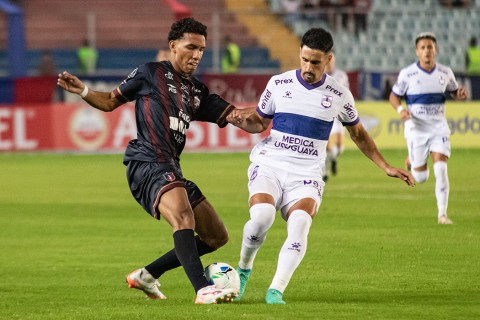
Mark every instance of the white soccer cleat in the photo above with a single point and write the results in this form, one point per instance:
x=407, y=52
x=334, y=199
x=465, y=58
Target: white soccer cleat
x=212, y=294
x=141, y=279
x=444, y=220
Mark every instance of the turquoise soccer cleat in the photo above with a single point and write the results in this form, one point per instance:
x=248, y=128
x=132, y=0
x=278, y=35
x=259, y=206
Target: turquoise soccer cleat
x=274, y=297
x=244, y=274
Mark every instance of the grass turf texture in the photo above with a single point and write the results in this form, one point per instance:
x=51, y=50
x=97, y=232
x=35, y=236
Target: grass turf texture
x=70, y=232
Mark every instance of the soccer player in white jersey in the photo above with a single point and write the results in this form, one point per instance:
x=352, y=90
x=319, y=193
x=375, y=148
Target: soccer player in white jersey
x=423, y=85
x=335, y=145
x=285, y=173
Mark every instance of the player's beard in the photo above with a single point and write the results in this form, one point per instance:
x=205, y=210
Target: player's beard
x=308, y=77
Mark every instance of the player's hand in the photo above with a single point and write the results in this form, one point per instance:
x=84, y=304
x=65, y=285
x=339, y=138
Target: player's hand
x=401, y=174
x=405, y=115
x=236, y=117
x=70, y=83
x=248, y=120
x=461, y=94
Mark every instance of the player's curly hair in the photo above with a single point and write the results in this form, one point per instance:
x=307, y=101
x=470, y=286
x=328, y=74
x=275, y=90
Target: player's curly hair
x=186, y=25
x=318, y=39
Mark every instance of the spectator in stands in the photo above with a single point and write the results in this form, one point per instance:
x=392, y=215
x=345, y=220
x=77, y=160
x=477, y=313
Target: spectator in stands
x=231, y=56
x=47, y=66
x=291, y=11
x=312, y=10
x=455, y=3
x=472, y=58
x=87, y=56
x=361, y=8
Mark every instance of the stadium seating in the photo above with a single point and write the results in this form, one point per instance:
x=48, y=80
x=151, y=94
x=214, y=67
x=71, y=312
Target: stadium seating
x=120, y=61
x=388, y=45
x=125, y=36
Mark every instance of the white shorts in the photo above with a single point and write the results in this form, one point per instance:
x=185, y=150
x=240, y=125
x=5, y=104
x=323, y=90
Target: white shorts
x=285, y=188
x=337, y=127
x=407, y=128
x=421, y=144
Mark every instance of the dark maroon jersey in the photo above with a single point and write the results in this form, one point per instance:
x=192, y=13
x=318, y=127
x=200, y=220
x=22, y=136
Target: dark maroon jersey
x=166, y=103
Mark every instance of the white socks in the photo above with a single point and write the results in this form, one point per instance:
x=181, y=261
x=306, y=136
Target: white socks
x=293, y=250
x=262, y=216
x=442, y=186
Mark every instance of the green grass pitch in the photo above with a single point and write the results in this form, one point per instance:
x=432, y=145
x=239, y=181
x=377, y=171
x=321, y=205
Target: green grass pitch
x=70, y=232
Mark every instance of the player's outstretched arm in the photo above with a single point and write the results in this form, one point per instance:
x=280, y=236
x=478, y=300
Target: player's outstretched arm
x=366, y=144
x=248, y=120
x=105, y=101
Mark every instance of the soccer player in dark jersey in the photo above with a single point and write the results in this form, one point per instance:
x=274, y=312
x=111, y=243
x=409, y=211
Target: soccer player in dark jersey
x=168, y=98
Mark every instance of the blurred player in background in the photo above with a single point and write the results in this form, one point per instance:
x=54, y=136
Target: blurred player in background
x=335, y=145
x=87, y=58
x=168, y=98
x=423, y=85
x=286, y=169
x=231, y=56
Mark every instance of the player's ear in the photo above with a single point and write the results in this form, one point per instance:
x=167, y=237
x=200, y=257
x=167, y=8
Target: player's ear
x=172, y=45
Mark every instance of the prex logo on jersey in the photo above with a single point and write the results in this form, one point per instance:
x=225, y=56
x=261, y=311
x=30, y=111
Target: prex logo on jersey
x=169, y=75
x=283, y=81
x=335, y=91
x=411, y=74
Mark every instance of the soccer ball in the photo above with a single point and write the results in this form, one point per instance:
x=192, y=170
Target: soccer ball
x=223, y=276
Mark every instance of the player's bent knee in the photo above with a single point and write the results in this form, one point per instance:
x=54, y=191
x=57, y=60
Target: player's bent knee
x=263, y=214
x=420, y=176
x=300, y=217
x=440, y=169
x=216, y=239
x=219, y=242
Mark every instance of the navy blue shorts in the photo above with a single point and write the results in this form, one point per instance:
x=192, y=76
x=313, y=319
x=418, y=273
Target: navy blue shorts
x=148, y=181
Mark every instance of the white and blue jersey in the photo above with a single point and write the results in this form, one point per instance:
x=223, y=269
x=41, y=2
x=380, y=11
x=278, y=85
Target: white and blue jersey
x=425, y=95
x=342, y=78
x=302, y=116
